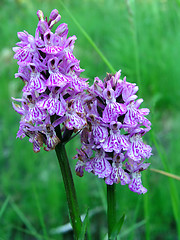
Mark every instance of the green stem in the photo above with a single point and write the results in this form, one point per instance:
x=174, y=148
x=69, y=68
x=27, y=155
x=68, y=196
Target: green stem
x=70, y=189
x=111, y=208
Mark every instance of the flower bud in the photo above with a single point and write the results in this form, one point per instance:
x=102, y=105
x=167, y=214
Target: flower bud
x=56, y=20
x=62, y=30
x=22, y=36
x=42, y=26
x=53, y=15
x=40, y=15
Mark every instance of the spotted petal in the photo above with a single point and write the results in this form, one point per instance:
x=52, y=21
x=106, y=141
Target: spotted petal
x=37, y=84
x=79, y=168
x=36, y=114
x=57, y=79
x=100, y=166
x=138, y=149
x=74, y=121
x=112, y=111
x=52, y=49
x=136, y=184
x=52, y=105
x=23, y=55
x=100, y=133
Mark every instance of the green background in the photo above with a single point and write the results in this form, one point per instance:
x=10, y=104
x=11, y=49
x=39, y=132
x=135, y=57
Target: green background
x=141, y=37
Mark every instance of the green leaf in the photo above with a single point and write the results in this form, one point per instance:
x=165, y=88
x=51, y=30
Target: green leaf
x=84, y=226
x=117, y=228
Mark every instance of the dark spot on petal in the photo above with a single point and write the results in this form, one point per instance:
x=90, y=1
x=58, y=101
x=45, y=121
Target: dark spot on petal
x=108, y=94
x=32, y=67
x=52, y=61
x=29, y=97
x=70, y=104
x=115, y=125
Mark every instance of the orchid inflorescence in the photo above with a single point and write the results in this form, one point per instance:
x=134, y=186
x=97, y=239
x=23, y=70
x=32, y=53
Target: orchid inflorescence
x=107, y=113
x=53, y=88
x=114, y=130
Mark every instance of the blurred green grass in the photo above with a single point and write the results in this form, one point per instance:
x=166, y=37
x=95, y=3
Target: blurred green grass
x=143, y=39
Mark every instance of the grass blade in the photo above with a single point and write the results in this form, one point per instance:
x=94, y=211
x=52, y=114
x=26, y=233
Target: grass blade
x=166, y=173
x=138, y=205
x=135, y=226
x=84, y=226
x=38, y=236
x=132, y=21
x=86, y=35
x=40, y=213
x=25, y=220
x=4, y=206
x=117, y=228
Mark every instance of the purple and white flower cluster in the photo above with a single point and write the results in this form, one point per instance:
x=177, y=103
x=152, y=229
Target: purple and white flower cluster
x=55, y=96
x=53, y=87
x=112, y=145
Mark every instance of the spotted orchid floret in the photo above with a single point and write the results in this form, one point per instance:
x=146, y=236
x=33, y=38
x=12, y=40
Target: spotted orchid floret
x=138, y=149
x=116, y=141
x=114, y=132
x=135, y=170
x=99, y=165
x=53, y=90
x=118, y=174
x=113, y=108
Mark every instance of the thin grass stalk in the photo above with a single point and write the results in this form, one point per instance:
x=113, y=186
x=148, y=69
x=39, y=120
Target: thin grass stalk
x=27, y=232
x=25, y=220
x=138, y=205
x=132, y=21
x=166, y=173
x=126, y=232
x=86, y=35
x=40, y=214
x=133, y=27
x=4, y=206
x=111, y=208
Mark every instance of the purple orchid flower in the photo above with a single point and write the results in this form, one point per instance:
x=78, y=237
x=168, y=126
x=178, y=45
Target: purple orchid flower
x=114, y=131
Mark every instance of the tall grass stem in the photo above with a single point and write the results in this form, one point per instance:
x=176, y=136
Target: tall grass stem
x=133, y=26
x=40, y=213
x=86, y=35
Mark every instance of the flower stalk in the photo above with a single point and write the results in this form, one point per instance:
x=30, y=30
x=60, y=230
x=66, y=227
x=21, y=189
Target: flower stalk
x=69, y=188
x=111, y=209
